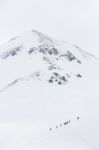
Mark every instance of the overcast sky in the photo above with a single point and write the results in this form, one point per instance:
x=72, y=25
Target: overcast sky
x=76, y=21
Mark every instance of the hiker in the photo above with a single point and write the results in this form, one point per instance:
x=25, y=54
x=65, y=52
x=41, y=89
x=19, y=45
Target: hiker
x=69, y=121
x=50, y=129
x=77, y=118
x=56, y=126
x=65, y=123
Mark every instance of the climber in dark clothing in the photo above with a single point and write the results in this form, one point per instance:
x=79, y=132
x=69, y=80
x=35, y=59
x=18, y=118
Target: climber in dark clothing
x=56, y=126
x=77, y=118
x=60, y=125
x=50, y=129
x=65, y=123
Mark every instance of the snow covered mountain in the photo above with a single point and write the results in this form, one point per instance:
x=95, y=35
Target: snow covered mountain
x=49, y=95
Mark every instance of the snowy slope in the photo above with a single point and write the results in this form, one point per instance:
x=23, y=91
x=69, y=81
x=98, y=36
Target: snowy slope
x=45, y=85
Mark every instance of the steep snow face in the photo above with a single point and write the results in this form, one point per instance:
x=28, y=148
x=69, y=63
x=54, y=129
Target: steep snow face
x=49, y=95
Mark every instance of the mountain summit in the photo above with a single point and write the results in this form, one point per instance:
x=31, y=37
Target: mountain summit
x=35, y=55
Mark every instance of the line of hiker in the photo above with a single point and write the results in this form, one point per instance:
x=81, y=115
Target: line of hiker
x=64, y=124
